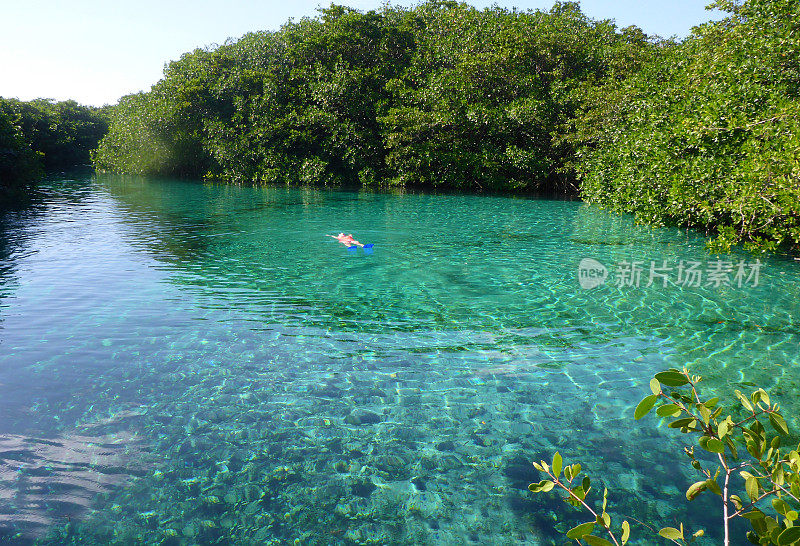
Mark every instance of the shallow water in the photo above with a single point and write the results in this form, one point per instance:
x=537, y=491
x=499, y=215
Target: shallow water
x=199, y=364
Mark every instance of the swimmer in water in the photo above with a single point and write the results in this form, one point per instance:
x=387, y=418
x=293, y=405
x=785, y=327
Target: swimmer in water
x=346, y=240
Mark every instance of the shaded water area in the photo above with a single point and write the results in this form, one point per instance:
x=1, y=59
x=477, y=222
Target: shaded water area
x=184, y=363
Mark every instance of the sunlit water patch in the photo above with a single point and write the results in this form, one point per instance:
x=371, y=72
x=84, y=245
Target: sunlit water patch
x=189, y=363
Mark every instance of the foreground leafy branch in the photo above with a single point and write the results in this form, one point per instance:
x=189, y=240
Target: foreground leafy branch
x=763, y=472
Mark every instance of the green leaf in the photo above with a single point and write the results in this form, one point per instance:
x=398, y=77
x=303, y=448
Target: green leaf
x=542, y=487
x=669, y=410
x=773, y=527
x=580, y=531
x=712, y=444
x=751, y=486
x=732, y=447
x=778, y=423
x=687, y=422
x=579, y=492
x=713, y=486
x=723, y=429
x=754, y=449
x=572, y=471
x=780, y=506
x=557, y=464
x=626, y=532
x=754, y=515
x=705, y=413
x=655, y=386
x=695, y=489
x=672, y=378
x=789, y=536
x=671, y=533
x=745, y=402
x=645, y=406
x=592, y=540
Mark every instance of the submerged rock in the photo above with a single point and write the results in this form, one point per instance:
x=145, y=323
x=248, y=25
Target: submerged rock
x=447, y=445
x=363, y=418
x=450, y=462
x=521, y=472
x=328, y=391
x=395, y=467
x=363, y=489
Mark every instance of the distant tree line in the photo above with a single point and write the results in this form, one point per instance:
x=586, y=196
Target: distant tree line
x=701, y=132
x=440, y=95
x=43, y=135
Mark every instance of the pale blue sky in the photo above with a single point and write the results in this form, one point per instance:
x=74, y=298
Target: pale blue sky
x=95, y=51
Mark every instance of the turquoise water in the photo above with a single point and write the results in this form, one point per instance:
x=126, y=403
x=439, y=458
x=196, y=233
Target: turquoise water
x=198, y=364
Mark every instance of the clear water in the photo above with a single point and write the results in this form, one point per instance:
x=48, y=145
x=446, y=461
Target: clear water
x=184, y=363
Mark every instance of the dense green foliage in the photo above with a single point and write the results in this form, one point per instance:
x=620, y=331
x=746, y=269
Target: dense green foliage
x=43, y=135
x=707, y=134
x=438, y=95
x=18, y=163
x=486, y=92
x=701, y=133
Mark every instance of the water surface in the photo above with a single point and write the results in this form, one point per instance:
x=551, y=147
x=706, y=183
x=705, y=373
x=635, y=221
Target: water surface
x=184, y=363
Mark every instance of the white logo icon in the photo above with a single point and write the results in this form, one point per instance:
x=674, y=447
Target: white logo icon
x=591, y=273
